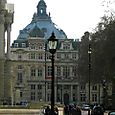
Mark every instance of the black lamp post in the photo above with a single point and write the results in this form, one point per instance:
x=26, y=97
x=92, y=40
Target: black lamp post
x=89, y=53
x=52, y=42
x=113, y=93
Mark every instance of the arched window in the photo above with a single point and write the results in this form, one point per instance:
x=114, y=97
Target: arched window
x=41, y=11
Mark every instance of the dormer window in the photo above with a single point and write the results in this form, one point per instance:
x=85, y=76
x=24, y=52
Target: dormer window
x=23, y=45
x=32, y=46
x=66, y=46
x=16, y=45
x=40, y=46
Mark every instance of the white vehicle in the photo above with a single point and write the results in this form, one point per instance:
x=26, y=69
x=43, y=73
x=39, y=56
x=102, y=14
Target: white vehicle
x=112, y=113
x=85, y=107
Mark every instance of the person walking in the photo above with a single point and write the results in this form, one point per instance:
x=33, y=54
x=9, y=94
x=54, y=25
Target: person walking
x=66, y=110
x=47, y=111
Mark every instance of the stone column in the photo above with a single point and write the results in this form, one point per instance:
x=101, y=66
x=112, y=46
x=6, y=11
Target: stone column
x=8, y=40
x=1, y=81
x=2, y=36
x=2, y=55
x=71, y=93
x=46, y=92
x=55, y=93
x=78, y=94
x=61, y=94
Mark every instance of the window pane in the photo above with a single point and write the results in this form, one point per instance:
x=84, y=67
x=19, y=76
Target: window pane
x=39, y=72
x=33, y=72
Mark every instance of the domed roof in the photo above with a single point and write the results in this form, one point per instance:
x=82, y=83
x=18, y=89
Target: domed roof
x=41, y=3
x=41, y=25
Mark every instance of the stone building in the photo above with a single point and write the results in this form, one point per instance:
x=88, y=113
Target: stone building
x=31, y=63
x=26, y=67
x=6, y=20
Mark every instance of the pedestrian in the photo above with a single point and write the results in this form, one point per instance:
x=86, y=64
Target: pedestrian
x=78, y=111
x=73, y=111
x=56, y=110
x=66, y=110
x=47, y=110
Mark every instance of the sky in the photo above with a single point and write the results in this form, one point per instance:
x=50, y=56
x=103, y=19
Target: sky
x=73, y=16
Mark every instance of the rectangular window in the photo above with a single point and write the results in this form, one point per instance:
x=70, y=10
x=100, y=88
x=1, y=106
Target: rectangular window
x=33, y=72
x=83, y=97
x=39, y=56
x=94, y=87
x=39, y=87
x=82, y=87
x=32, y=96
x=21, y=94
x=66, y=71
x=66, y=56
x=49, y=70
x=39, y=96
x=20, y=76
x=39, y=72
x=58, y=71
x=33, y=87
x=74, y=71
x=94, y=97
x=19, y=67
x=32, y=56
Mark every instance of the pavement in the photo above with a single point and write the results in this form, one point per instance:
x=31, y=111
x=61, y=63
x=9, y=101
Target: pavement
x=19, y=111
x=26, y=111
x=33, y=112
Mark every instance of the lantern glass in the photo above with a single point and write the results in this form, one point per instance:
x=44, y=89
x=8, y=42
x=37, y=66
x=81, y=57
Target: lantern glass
x=52, y=43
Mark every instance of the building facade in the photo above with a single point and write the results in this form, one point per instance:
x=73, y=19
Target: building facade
x=26, y=67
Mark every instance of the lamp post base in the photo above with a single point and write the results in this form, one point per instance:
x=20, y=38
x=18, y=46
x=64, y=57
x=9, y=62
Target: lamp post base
x=113, y=101
x=89, y=112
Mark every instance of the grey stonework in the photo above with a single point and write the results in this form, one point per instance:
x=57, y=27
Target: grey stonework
x=6, y=19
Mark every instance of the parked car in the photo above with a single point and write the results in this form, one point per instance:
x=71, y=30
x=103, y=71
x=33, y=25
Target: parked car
x=97, y=110
x=85, y=107
x=111, y=113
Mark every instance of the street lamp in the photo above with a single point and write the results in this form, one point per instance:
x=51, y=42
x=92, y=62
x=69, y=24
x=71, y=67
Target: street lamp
x=113, y=93
x=89, y=53
x=52, y=43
